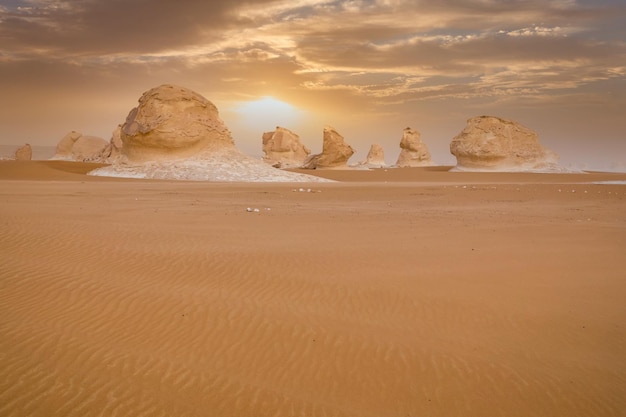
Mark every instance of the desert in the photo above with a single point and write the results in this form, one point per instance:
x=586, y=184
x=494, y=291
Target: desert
x=387, y=292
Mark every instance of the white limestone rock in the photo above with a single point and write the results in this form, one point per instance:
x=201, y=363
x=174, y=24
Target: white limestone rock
x=490, y=143
x=24, y=153
x=75, y=146
x=413, y=152
x=375, y=157
x=335, y=152
x=283, y=149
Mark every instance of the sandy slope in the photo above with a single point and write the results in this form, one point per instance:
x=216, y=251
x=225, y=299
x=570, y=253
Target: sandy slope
x=434, y=294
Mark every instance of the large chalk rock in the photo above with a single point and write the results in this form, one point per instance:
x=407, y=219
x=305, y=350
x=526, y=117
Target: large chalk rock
x=176, y=134
x=413, y=152
x=24, y=153
x=75, y=146
x=375, y=157
x=172, y=121
x=283, y=148
x=493, y=144
x=335, y=152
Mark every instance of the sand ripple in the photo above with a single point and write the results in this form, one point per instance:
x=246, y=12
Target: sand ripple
x=164, y=308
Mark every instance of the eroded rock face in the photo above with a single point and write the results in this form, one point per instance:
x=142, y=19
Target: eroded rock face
x=335, y=152
x=413, y=152
x=493, y=144
x=113, y=151
x=77, y=147
x=172, y=122
x=283, y=149
x=24, y=153
x=375, y=157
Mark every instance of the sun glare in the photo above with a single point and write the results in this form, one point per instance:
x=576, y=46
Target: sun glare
x=268, y=112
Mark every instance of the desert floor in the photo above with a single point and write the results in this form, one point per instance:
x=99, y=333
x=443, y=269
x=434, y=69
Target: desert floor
x=399, y=292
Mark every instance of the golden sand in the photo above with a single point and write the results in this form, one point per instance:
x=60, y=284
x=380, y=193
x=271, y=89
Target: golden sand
x=400, y=292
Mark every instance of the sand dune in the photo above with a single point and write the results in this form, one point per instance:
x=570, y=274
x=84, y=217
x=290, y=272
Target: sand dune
x=434, y=293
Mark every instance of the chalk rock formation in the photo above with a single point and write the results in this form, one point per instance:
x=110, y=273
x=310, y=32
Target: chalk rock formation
x=375, y=157
x=172, y=121
x=113, y=151
x=335, y=152
x=176, y=133
x=24, y=153
x=413, y=152
x=77, y=147
x=493, y=144
x=283, y=149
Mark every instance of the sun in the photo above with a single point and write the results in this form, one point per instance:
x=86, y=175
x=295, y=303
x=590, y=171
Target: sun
x=267, y=113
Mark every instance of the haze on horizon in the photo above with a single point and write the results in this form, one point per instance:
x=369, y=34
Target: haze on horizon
x=369, y=68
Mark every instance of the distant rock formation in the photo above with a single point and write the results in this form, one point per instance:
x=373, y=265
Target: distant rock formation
x=493, y=144
x=413, y=152
x=24, y=153
x=176, y=133
x=283, y=149
x=74, y=146
x=375, y=157
x=335, y=152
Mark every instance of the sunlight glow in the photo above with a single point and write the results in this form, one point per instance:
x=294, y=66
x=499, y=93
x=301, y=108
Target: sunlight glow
x=268, y=112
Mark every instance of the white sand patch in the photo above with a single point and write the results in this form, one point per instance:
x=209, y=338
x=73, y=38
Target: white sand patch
x=543, y=168
x=227, y=165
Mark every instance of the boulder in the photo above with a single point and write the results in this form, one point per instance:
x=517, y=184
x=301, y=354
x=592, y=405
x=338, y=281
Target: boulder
x=65, y=145
x=24, y=153
x=172, y=121
x=375, y=157
x=75, y=146
x=88, y=148
x=413, y=152
x=283, y=149
x=493, y=144
x=335, y=152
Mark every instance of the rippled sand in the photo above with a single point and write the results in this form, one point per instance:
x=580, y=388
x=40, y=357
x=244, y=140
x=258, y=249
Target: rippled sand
x=408, y=292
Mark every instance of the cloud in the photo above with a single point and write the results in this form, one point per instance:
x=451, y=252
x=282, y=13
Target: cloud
x=365, y=54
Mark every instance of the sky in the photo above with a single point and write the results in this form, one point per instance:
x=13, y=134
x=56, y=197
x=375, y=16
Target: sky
x=369, y=68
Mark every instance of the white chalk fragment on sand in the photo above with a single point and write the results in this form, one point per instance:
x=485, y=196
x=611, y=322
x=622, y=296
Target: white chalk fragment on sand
x=305, y=190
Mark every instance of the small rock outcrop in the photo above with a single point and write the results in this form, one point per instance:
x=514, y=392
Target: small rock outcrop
x=172, y=121
x=335, y=152
x=413, y=152
x=493, y=144
x=283, y=149
x=375, y=157
x=24, y=153
x=77, y=147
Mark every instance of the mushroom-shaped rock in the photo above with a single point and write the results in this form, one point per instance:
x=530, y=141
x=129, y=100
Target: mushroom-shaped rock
x=24, y=153
x=493, y=144
x=413, y=152
x=375, y=157
x=335, y=152
x=283, y=148
x=172, y=121
x=77, y=147
x=176, y=134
